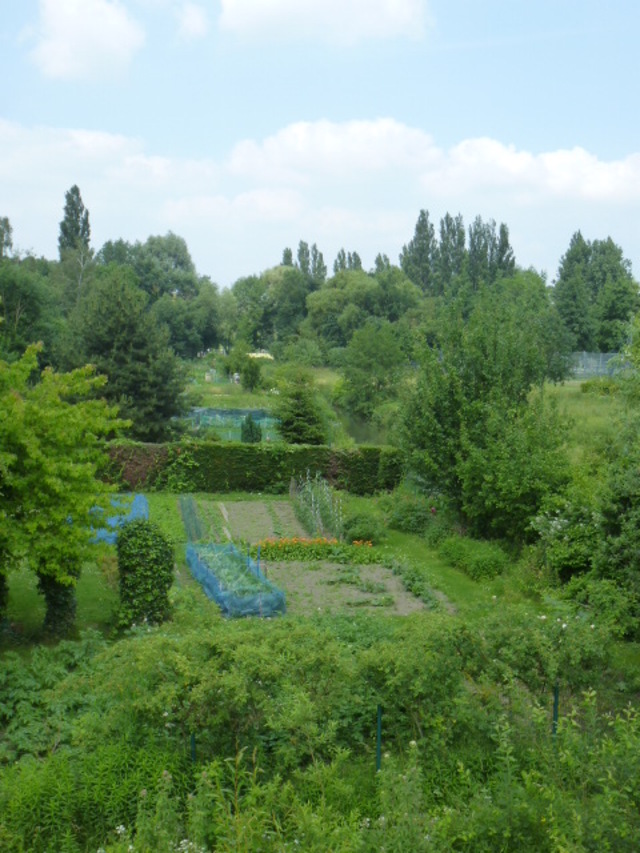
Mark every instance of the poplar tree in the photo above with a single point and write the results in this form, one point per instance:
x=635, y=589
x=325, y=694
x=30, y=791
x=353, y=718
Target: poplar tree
x=75, y=231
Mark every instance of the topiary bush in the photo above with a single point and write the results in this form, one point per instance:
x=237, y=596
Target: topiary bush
x=145, y=568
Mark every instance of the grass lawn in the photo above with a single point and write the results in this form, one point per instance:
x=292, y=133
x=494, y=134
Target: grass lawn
x=97, y=597
x=593, y=418
x=220, y=393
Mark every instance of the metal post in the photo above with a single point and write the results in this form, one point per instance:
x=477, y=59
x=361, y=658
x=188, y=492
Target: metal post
x=379, y=739
x=556, y=702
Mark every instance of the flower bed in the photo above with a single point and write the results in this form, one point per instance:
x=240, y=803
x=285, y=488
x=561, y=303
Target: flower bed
x=316, y=548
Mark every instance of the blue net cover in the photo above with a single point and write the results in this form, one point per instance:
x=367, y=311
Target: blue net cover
x=234, y=581
x=138, y=507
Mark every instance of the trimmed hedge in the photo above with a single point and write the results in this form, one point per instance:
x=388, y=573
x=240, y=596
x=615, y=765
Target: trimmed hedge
x=478, y=559
x=228, y=467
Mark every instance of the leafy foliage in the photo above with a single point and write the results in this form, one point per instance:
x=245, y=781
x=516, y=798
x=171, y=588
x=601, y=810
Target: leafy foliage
x=299, y=416
x=145, y=568
x=75, y=231
x=113, y=330
x=28, y=310
x=595, y=294
x=372, y=368
x=250, y=432
x=51, y=454
x=480, y=560
x=283, y=718
x=362, y=527
x=472, y=428
x=568, y=534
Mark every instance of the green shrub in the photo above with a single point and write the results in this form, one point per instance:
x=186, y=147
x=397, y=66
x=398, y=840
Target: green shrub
x=604, y=600
x=250, y=430
x=569, y=535
x=479, y=560
x=145, y=567
x=410, y=513
x=362, y=527
x=604, y=386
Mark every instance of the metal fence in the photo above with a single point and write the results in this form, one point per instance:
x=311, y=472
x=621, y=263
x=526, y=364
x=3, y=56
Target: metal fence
x=588, y=364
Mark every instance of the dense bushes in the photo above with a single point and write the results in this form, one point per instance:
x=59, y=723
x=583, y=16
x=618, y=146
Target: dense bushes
x=218, y=467
x=413, y=512
x=283, y=719
x=480, y=560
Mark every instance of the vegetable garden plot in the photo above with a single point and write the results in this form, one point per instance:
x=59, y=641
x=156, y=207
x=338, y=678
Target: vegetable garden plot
x=232, y=580
x=314, y=587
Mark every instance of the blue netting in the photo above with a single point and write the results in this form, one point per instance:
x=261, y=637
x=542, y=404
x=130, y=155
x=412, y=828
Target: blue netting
x=227, y=423
x=233, y=581
x=137, y=506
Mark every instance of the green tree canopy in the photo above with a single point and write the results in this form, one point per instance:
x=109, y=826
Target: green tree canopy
x=112, y=329
x=164, y=266
x=418, y=256
x=300, y=418
x=75, y=231
x=31, y=311
x=372, y=366
x=596, y=294
x=6, y=237
x=469, y=423
x=51, y=453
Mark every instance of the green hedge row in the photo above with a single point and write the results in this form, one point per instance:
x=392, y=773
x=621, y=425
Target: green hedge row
x=229, y=466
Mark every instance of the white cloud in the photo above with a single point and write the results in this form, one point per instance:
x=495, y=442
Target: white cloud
x=264, y=205
x=310, y=151
x=193, y=22
x=85, y=39
x=359, y=185
x=477, y=164
x=342, y=21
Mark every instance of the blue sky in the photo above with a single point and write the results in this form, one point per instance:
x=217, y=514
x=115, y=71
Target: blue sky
x=247, y=125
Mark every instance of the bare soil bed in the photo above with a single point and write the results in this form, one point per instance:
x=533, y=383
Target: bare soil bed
x=251, y=521
x=319, y=587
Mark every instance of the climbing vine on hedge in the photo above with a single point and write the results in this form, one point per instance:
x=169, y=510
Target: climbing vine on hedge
x=145, y=568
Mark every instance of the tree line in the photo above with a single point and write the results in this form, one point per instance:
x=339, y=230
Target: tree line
x=447, y=353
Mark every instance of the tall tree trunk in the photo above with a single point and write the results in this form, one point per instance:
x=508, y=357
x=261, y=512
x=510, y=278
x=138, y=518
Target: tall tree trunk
x=60, y=602
x=4, y=596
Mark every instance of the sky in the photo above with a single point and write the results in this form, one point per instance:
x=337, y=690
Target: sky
x=245, y=126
